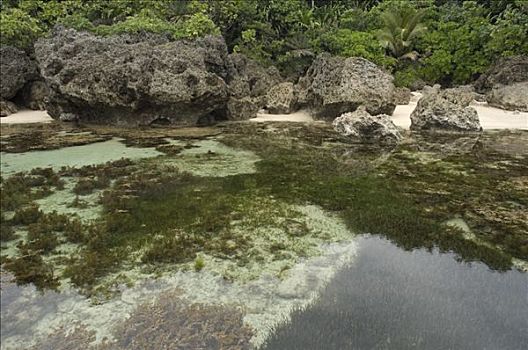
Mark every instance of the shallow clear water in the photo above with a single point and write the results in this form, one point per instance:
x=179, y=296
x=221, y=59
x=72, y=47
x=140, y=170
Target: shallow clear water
x=76, y=156
x=273, y=255
x=389, y=298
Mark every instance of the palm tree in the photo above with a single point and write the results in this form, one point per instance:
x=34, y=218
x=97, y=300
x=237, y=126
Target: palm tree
x=401, y=27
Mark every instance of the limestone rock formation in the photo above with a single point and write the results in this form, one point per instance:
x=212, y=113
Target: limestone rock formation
x=505, y=71
x=462, y=95
x=437, y=110
x=336, y=85
x=133, y=79
x=363, y=127
x=249, y=84
x=7, y=108
x=402, y=96
x=511, y=97
x=35, y=95
x=16, y=69
x=282, y=98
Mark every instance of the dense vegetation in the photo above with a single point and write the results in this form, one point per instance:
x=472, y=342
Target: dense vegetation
x=449, y=42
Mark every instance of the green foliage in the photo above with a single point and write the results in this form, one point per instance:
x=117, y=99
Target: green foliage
x=454, y=48
x=17, y=28
x=406, y=77
x=76, y=21
x=348, y=43
x=137, y=24
x=199, y=24
x=509, y=36
x=400, y=30
x=462, y=39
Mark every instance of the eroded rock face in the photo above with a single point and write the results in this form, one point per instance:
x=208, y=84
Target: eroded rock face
x=133, y=80
x=7, y=108
x=506, y=71
x=402, y=96
x=335, y=85
x=282, y=98
x=16, y=69
x=249, y=84
x=511, y=97
x=35, y=95
x=462, y=95
x=366, y=128
x=437, y=110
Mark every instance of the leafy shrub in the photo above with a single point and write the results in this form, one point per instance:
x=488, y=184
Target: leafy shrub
x=454, y=48
x=406, y=77
x=76, y=21
x=348, y=43
x=199, y=24
x=509, y=36
x=18, y=29
x=137, y=24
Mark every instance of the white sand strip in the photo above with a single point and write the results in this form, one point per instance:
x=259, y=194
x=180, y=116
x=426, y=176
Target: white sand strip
x=26, y=116
x=490, y=117
x=299, y=116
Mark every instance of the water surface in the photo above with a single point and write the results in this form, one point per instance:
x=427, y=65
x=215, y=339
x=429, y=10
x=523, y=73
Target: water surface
x=394, y=299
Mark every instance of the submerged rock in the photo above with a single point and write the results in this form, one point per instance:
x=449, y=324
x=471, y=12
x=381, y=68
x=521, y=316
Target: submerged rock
x=363, y=127
x=510, y=97
x=282, y=98
x=444, y=110
x=335, y=85
x=505, y=71
x=133, y=80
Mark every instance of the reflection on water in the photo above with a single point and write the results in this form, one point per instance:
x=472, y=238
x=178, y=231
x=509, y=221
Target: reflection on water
x=394, y=299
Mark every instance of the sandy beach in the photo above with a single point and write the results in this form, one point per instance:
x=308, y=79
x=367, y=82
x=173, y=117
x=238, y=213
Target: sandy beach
x=490, y=117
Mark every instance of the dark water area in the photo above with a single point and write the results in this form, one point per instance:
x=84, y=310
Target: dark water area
x=389, y=298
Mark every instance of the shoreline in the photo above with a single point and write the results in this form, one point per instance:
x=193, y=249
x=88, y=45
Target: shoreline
x=491, y=118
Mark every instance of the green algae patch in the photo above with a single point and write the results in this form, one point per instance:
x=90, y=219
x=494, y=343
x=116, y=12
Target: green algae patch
x=259, y=199
x=211, y=158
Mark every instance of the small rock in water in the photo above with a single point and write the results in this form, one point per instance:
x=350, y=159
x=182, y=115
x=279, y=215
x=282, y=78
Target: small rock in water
x=363, y=127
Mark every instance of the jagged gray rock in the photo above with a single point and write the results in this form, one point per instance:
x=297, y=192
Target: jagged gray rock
x=35, y=95
x=16, y=69
x=134, y=79
x=402, y=96
x=437, y=110
x=282, y=98
x=7, y=108
x=505, y=71
x=336, y=85
x=363, y=127
x=249, y=84
x=511, y=97
x=462, y=95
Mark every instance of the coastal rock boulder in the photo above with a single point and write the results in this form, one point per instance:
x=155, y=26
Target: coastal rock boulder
x=7, y=108
x=16, y=69
x=35, y=95
x=249, y=84
x=511, y=97
x=282, y=98
x=437, y=111
x=506, y=71
x=402, y=96
x=336, y=85
x=134, y=79
x=365, y=128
